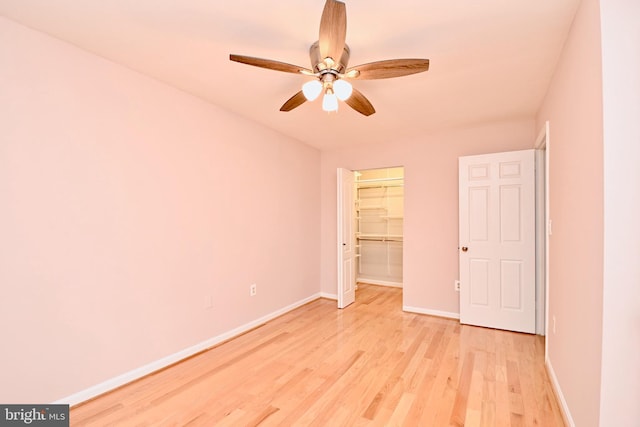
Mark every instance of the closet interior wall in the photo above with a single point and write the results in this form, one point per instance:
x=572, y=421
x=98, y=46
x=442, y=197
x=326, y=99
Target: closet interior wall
x=379, y=220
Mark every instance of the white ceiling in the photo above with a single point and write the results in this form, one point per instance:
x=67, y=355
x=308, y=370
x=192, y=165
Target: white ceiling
x=490, y=60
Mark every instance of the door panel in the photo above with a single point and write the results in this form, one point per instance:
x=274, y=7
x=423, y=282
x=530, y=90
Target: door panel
x=510, y=215
x=497, y=229
x=346, y=238
x=479, y=214
x=511, y=285
x=479, y=281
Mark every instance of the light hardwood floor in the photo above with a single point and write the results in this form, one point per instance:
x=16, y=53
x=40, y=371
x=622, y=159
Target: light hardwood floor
x=369, y=364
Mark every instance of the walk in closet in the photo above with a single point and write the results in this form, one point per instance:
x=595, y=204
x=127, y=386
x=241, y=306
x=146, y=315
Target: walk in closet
x=379, y=222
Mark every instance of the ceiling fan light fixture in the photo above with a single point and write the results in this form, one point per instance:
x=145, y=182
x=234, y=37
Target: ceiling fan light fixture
x=330, y=102
x=312, y=89
x=329, y=57
x=342, y=89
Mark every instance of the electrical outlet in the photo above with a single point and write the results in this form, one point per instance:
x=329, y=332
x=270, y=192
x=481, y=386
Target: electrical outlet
x=456, y=285
x=253, y=290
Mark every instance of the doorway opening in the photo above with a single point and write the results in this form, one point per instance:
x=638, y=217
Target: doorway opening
x=379, y=216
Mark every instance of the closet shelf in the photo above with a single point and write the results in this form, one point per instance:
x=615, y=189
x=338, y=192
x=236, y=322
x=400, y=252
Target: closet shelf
x=369, y=218
x=366, y=219
x=374, y=185
x=358, y=181
x=378, y=207
x=380, y=237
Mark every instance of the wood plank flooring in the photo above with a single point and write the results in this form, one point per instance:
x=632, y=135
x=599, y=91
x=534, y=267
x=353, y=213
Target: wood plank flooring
x=369, y=364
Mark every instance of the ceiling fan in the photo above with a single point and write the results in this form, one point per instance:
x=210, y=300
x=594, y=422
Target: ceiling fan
x=329, y=61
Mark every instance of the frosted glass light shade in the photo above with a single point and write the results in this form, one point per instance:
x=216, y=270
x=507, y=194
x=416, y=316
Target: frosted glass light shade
x=342, y=89
x=330, y=102
x=311, y=90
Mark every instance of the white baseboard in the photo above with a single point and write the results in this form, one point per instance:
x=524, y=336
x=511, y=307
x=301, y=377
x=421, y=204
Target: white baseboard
x=438, y=313
x=140, y=372
x=329, y=296
x=564, y=408
x=379, y=282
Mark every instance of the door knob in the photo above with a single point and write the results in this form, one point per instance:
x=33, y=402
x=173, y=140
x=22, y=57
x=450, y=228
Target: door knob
x=465, y=249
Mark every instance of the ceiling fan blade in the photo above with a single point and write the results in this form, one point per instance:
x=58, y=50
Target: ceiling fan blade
x=269, y=64
x=295, y=101
x=360, y=103
x=333, y=30
x=388, y=69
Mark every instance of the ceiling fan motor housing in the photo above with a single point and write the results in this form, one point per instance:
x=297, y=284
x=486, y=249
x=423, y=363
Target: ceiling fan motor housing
x=319, y=64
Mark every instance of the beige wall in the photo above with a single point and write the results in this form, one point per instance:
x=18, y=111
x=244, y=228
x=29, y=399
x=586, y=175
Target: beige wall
x=431, y=204
x=574, y=107
x=124, y=204
x=593, y=105
x=620, y=396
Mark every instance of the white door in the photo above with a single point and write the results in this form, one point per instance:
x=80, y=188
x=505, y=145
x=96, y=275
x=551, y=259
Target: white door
x=497, y=240
x=346, y=239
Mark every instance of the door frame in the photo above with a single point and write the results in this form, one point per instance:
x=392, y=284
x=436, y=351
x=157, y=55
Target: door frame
x=339, y=266
x=543, y=221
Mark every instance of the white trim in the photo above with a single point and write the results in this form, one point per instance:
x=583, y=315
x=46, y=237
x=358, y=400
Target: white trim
x=142, y=371
x=547, y=235
x=544, y=144
x=541, y=140
x=564, y=408
x=541, y=233
x=429, y=312
x=328, y=295
x=379, y=282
